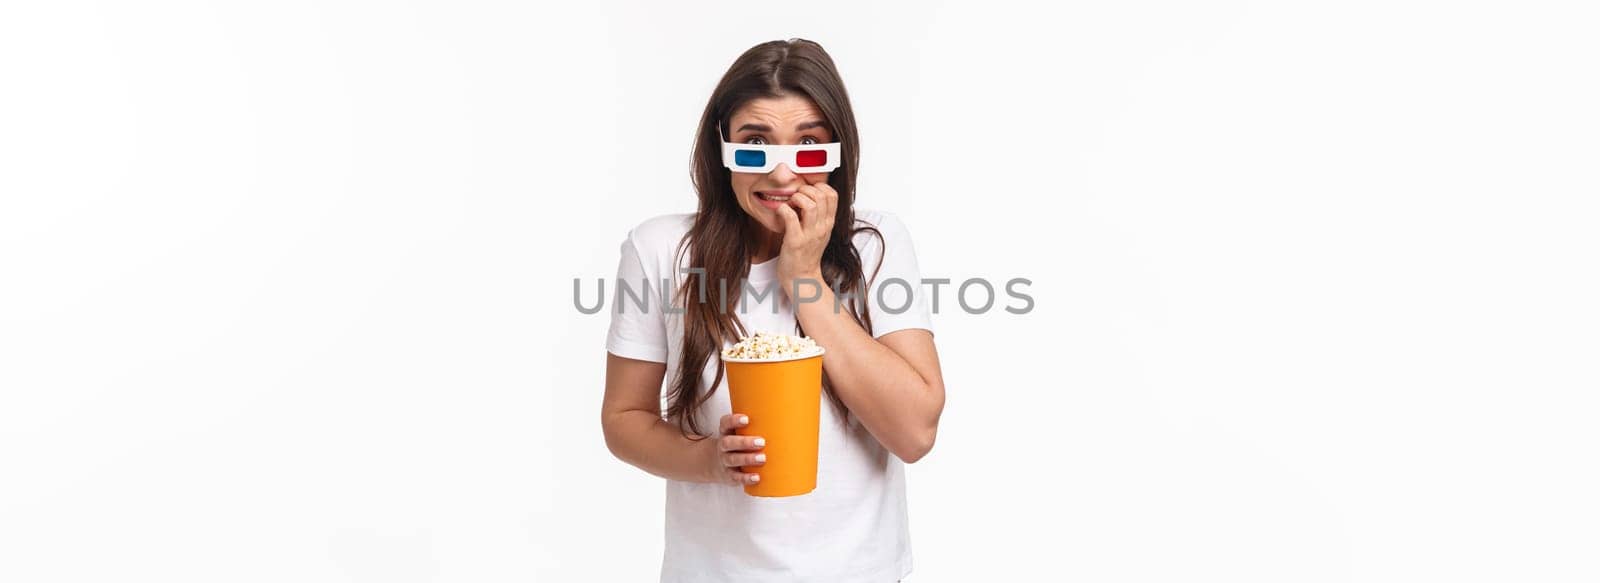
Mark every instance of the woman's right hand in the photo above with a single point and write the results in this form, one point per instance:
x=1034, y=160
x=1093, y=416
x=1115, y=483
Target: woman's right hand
x=731, y=450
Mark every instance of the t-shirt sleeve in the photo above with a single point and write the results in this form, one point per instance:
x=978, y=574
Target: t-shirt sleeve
x=897, y=300
x=637, y=333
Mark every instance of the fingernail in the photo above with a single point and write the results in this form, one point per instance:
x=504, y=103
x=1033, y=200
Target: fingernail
x=743, y=419
x=761, y=457
x=761, y=442
x=754, y=478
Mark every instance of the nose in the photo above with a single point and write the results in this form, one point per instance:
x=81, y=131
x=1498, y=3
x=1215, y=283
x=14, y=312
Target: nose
x=783, y=174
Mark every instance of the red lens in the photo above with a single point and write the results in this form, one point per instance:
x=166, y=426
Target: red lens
x=810, y=158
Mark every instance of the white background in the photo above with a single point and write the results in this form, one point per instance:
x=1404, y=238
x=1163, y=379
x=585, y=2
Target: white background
x=286, y=288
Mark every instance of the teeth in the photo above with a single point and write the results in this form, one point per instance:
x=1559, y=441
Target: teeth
x=775, y=198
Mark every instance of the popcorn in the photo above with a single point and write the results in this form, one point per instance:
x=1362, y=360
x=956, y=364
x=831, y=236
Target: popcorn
x=767, y=346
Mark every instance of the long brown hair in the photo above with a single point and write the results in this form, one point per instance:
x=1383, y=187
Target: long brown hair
x=719, y=241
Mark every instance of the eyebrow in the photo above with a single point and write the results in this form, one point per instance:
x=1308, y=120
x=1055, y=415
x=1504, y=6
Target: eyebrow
x=799, y=128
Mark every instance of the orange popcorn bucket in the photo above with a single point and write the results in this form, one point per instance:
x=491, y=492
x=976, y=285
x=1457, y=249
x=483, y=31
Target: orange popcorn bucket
x=783, y=399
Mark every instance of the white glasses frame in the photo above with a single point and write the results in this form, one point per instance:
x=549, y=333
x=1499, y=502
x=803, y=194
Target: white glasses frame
x=772, y=155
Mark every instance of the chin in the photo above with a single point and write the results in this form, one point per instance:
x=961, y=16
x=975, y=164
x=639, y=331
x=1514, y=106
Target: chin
x=768, y=221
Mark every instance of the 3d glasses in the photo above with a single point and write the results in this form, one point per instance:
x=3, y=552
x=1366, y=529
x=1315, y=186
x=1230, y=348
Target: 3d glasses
x=763, y=158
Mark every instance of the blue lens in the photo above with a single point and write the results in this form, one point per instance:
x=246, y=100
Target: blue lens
x=751, y=158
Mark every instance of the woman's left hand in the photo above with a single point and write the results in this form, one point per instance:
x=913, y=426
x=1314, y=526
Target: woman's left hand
x=808, y=224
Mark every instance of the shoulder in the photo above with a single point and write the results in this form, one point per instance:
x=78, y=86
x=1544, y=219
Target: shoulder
x=887, y=224
x=875, y=217
x=653, y=243
x=660, y=233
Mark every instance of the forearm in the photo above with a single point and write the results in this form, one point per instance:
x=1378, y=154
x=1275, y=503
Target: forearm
x=895, y=403
x=644, y=440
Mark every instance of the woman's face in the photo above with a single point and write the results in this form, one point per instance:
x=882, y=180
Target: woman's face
x=787, y=120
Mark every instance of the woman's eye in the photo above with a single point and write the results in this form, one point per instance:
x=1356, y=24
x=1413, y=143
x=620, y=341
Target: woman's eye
x=755, y=140
x=808, y=140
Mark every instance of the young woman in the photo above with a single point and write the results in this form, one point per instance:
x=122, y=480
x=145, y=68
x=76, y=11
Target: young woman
x=785, y=223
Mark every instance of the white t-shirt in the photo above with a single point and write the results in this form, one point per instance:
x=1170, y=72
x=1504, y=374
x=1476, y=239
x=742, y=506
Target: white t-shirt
x=853, y=527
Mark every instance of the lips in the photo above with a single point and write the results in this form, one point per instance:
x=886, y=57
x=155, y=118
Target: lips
x=775, y=195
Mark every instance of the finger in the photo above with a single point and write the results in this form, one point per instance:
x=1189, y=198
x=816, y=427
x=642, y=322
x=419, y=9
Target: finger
x=731, y=422
x=735, y=460
x=827, y=205
x=741, y=443
x=826, y=189
x=808, y=200
x=807, y=193
x=805, y=200
x=820, y=215
x=741, y=478
x=827, y=198
x=791, y=221
x=830, y=201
